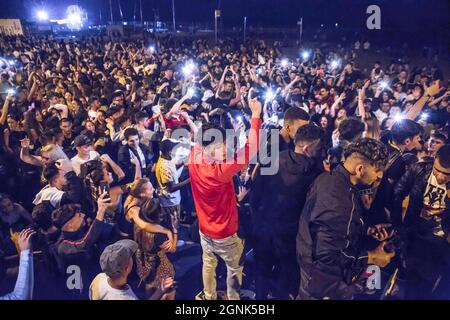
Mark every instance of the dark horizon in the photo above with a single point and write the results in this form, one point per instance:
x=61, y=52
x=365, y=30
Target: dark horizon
x=406, y=15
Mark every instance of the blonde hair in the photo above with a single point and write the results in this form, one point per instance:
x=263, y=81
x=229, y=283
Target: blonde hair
x=55, y=152
x=136, y=187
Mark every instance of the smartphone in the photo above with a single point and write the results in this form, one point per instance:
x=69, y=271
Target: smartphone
x=104, y=187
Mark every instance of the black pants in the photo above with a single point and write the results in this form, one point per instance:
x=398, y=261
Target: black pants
x=29, y=184
x=427, y=271
x=275, y=258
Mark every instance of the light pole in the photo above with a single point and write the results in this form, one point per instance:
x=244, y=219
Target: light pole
x=142, y=17
x=173, y=16
x=111, y=11
x=245, y=28
x=300, y=23
x=217, y=14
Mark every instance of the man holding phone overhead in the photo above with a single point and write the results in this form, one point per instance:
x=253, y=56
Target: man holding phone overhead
x=215, y=202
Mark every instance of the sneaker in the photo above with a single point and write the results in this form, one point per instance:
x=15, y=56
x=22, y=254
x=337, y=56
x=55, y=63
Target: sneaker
x=200, y=296
x=222, y=295
x=247, y=295
x=180, y=243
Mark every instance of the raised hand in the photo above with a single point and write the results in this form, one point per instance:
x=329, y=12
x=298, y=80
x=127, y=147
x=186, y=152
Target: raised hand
x=25, y=143
x=254, y=105
x=24, y=240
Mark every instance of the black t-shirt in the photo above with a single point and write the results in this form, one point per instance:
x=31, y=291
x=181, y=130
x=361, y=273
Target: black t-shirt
x=14, y=139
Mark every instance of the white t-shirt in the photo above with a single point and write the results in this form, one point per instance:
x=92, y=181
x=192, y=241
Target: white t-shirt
x=77, y=161
x=51, y=194
x=101, y=290
x=435, y=194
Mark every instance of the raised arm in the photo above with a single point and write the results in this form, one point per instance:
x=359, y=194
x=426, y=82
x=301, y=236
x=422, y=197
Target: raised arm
x=25, y=155
x=23, y=290
x=243, y=157
x=438, y=100
x=335, y=104
x=178, y=104
x=137, y=166
x=147, y=226
x=361, y=97
x=5, y=110
x=431, y=91
x=289, y=86
x=191, y=123
x=114, y=166
x=237, y=88
x=222, y=79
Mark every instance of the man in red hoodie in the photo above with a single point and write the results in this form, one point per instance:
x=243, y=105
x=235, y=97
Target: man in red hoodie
x=214, y=195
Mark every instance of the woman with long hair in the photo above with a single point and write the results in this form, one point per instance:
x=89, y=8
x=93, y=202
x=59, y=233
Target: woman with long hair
x=140, y=192
x=152, y=264
x=372, y=128
x=32, y=127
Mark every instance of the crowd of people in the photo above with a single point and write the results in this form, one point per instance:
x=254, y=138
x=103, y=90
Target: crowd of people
x=109, y=148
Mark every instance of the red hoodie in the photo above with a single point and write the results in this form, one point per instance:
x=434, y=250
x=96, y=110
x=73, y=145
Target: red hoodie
x=213, y=188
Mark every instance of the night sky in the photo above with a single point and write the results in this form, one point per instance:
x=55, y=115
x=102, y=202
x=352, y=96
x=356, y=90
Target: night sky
x=423, y=15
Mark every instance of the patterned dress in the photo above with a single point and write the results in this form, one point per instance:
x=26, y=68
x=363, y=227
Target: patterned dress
x=152, y=263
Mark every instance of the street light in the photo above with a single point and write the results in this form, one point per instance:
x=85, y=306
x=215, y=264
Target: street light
x=305, y=55
x=42, y=15
x=173, y=16
x=74, y=18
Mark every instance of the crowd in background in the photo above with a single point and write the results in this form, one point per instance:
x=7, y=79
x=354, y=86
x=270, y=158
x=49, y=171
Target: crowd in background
x=96, y=172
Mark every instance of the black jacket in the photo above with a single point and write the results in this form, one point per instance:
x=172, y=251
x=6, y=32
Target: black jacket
x=284, y=194
x=426, y=252
x=332, y=236
x=381, y=210
x=413, y=184
x=69, y=246
x=127, y=167
x=75, y=192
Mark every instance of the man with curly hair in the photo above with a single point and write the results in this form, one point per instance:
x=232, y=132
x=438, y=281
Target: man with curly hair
x=333, y=239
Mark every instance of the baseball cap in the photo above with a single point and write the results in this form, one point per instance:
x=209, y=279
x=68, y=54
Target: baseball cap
x=116, y=256
x=112, y=110
x=82, y=140
x=167, y=145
